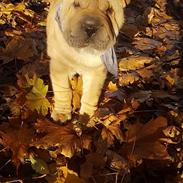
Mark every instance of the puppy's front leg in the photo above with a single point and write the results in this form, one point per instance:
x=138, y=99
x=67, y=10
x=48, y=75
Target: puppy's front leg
x=92, y=86
x=62, y=92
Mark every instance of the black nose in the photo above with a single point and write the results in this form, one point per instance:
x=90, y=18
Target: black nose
x=90, y=26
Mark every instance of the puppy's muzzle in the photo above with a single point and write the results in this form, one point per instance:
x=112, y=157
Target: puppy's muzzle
x=90, y=26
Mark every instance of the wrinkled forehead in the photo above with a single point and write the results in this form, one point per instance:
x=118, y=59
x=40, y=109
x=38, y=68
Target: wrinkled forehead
x=101, y=4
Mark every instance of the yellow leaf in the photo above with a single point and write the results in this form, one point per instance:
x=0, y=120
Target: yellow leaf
x=127, y=79
x=76, y=100
x=36, y=98
x=20, y=7
x=6, y=9
x=170, y=80
x=134, y=62
x=68, y=176
x=40, y=105
x=76, y=85
x=39, y=165
x=2, y=22
x=112, y=86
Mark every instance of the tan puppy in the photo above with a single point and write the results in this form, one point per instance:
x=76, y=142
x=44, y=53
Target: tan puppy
x=79, y=34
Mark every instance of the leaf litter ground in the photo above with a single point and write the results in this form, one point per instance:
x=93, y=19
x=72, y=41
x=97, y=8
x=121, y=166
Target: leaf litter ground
x=135, y=135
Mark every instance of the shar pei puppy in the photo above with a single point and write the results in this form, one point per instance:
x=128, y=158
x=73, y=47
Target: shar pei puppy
x=80, y=39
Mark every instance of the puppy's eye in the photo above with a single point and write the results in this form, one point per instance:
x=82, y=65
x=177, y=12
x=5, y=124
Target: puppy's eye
x=109, y=10
x=76, y=4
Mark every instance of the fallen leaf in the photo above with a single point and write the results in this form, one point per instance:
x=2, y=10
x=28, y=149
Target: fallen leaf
x=141, y=96
x=146, y=43
x=134, y=62
x=116, y=161
x=112, y=87
x=38, y=165
x=65, y=175
x=127, y=79
x=145, y=73
x=111, y=129
x=20, y=48
x=144, y=141
x=63, y=138
x=93, y=163
x=76, y=85
x=36, y=97
x=17, y=140
x=171, y=81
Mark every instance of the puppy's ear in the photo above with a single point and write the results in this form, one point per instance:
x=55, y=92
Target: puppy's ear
x=125, y=3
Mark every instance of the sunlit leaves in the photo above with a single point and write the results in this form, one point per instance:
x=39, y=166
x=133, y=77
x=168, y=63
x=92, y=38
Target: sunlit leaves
x=32, y=97
x=65, y=175
x=76, y=85
x=139, y=118
x=63, y=138
x=36, y=97
x=8, y=12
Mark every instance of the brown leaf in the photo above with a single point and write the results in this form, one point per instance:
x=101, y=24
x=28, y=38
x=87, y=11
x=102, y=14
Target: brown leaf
x=20, y=48
x=93, y=163
x=116, y=162
x=16, y=139
x=63, y=138
x=153, y=127
x=144, y=141
x=141, y=96
x=145, y=73
x=107, y=136
x=111, y=130
x=146, y=44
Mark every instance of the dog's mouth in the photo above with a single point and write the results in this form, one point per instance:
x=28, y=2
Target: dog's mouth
x=94, y=42
x=91, y=32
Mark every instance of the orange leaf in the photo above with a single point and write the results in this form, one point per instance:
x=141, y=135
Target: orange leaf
x=63, y=138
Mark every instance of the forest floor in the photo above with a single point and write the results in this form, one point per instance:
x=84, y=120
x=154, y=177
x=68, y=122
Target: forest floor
x=135, y=135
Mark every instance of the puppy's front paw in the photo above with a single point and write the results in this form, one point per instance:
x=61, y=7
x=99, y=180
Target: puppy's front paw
x=62, y=118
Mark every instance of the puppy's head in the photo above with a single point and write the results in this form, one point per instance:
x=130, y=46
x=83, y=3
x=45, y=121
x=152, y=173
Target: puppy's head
x=91, y=24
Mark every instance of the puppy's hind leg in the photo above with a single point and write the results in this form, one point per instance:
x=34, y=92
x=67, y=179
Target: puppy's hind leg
x=62, y=92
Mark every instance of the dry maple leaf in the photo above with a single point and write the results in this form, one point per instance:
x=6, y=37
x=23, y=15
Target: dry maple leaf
x=17, y=140
x=76, y=85
x=36, y=95
x=30, y=97
x=91, y=166
x=144, y=141
x=128, y=78
x=146, y=43
x=63, y=138
x=116, y=161
x=134, y=62
x=20, y=48
x=10, y=12
x=65, y=175
x=112, y=87
x=111, y=129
